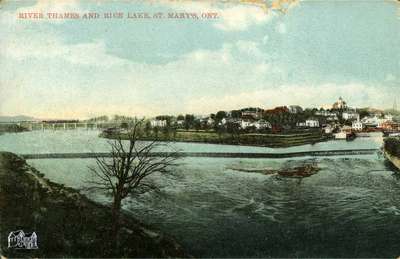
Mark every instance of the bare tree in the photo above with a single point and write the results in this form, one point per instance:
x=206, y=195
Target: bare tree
x=123, y=172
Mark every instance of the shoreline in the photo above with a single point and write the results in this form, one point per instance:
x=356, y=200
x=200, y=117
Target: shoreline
x=251, y=140
x=391, y=151
x=395, y=161
x=67, y=223
x=336, y=152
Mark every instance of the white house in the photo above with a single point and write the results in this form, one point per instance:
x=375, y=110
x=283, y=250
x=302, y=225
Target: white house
x=332, y=118
x=350, y=115
x=357, y=125
x=262, y=124
x=210, y=121
x=245, y=124
x=341, y=135
x=328, y=129
x=301, y=124
x=255, y=113
x=388, y=117
x=180, y=122
x=158, y=123
x=375, y=121
x=223, y=121
x=325, y=113
x=312, y=123
x=371, y=121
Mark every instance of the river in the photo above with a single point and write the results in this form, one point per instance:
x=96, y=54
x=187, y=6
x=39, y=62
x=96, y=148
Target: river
x=351, y=208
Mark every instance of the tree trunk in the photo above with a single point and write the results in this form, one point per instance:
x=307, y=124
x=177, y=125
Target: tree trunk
x=116, y=210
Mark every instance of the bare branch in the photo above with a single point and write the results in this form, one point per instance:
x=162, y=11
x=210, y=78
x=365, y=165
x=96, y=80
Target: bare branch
x=124, y=172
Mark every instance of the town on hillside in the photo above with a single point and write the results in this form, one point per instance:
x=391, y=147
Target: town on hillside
x=258, y=126
x=340, y=118
x=248, y=126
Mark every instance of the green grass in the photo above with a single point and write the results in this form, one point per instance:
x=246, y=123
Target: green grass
x=251, y=139
x=392, y=146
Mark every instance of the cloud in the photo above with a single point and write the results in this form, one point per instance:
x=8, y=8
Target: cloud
x=231, y=16
x=281, y=28
x=51, y=76
x=241, y=17
x=93, y=81
x=265, y=39
x=390, y=77
x=52, y=6
x=355, y=94
x=89, y=78
x=45, y=47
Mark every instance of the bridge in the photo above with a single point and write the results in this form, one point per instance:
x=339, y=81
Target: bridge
x=60, y=125
x=326, y=153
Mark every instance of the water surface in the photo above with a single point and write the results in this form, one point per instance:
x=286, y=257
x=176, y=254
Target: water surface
x=351, y=208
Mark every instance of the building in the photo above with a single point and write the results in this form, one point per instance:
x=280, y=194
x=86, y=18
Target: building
x=262, y=124
x=357, y=125
x=246, y=121
x=390, y=126
x=325, y=113
x=222, y=122
x=295, y=109
x=207, y=121
x=180, y=122
x=388, y=117
x=255, y=113
x=158, y=123
x=210, y=121
x=329, y=115
x=377, y=121
x=328, y=129
x=244, y=124
x=350, y=115
x=340, y=104
x=372, y=121
x=301, y=124
x=312, y=123
x=341, y=135
x=332, y=118
x=20, y=240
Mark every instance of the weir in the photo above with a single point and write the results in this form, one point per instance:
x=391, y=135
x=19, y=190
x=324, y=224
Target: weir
x=351, y=152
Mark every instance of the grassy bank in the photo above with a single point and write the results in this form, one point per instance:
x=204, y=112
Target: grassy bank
x=249, y=139
x=67, y=223
x=392, y=146
x=391, y=149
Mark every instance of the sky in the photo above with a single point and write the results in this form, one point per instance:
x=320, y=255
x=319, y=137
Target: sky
x=309, y=55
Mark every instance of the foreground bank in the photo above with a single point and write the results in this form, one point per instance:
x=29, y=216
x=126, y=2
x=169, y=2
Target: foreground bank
x=391, y=150
x=67, y=223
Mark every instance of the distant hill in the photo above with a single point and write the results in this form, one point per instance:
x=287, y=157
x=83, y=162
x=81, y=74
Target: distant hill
x=393, y=112
x=374, y=110
x=16, y=118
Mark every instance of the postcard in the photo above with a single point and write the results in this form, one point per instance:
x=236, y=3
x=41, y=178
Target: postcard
x=199, y=129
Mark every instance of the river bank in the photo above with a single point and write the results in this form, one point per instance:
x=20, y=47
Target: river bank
x=391, y=151
x=245, y=139
x=66, y=222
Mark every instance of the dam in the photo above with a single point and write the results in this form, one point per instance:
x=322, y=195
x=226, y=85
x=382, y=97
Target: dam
x=211, y=154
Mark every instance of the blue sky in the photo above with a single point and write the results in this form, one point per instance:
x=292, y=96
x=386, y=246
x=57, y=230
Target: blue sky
x=311, y=55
